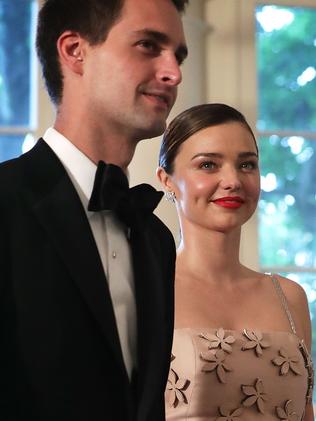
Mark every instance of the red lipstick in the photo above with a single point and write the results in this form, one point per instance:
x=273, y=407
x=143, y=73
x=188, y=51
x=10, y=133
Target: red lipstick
x=230, y=202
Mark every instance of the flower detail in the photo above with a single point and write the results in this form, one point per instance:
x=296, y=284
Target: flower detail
x=229, y=415
x=256, y=395
x=216, y=361
x=218, y=340
x=287, y=413
x=286, y=363
x=255, y=342
x=177, y=387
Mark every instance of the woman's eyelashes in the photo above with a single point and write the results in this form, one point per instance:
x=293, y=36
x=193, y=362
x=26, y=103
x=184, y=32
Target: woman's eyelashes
x=208, y=165
x=249, y=165
x=246, y=166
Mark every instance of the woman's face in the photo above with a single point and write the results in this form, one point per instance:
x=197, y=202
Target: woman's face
x=216, y=177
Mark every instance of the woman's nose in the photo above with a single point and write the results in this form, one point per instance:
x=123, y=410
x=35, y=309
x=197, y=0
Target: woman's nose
x=230, y=179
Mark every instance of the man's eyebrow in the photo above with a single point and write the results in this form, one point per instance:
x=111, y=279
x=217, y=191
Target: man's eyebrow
x=161, y=37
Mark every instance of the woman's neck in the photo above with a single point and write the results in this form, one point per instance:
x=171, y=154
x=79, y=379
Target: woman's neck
x=209, y=255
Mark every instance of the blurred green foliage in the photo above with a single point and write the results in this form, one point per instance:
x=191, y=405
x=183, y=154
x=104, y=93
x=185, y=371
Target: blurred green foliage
x=282, y=57
x=286, y=62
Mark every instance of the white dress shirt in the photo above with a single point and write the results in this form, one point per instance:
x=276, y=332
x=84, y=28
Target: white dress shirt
x=111, y=241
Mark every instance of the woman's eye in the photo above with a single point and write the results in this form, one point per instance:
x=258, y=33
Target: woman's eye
x=209, y=165
x=249, y=165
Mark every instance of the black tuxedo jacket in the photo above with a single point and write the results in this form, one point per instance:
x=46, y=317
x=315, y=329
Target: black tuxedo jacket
x=60, y=357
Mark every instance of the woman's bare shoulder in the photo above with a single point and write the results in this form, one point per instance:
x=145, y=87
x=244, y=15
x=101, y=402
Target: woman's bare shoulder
x=294, y=292
x=298, y=305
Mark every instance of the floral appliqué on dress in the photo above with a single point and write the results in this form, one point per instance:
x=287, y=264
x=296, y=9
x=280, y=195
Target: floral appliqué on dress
x=287, y=363
x=219, y=340
x=177, y=387
x=216, y=361
x=256, y=395
x=227, y=414
x=287, y=413
x=255, y=341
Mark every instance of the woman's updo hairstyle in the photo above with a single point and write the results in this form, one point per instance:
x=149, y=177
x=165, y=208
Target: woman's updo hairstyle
x=191, y=121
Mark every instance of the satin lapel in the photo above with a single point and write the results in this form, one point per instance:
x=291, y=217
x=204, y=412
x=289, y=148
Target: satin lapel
x=155, y=317
x=57, y=206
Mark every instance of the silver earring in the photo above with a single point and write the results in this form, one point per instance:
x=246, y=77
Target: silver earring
x=170, y=196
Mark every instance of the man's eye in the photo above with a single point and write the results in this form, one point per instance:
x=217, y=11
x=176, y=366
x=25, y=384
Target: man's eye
x=148, y=45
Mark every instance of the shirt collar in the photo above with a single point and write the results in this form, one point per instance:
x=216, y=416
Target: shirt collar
x=79, y=167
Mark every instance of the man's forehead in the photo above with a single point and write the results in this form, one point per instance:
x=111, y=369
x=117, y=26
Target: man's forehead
x=164, y=11
x=157, y=16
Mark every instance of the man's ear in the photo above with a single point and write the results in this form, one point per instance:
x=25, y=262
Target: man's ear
x=70, y=46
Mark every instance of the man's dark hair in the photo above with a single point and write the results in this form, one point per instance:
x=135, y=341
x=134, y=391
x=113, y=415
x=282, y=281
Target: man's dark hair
x=92, y=19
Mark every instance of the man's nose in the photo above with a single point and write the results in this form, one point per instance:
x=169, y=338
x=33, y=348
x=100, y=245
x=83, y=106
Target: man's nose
x=169, y=71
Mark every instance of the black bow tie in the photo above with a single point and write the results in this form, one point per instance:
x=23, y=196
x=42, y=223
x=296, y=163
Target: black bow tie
x=111, y=192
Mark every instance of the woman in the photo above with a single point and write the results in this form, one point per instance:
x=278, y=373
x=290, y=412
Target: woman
x=242, y=339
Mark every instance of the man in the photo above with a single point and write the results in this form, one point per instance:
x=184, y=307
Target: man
x=86, y=289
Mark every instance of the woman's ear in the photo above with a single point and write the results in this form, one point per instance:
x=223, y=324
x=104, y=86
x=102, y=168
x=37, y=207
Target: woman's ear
x=164, y=179
x=70, y=46
x=167, y=184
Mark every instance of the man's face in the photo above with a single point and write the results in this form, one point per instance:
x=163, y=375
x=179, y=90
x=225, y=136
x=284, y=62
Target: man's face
x=131, y=79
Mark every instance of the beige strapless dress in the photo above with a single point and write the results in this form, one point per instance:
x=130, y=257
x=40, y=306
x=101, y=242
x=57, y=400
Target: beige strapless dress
x=227, y=375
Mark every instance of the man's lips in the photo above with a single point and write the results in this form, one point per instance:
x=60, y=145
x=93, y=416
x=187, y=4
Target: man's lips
x=231, y=202
x=160, y=98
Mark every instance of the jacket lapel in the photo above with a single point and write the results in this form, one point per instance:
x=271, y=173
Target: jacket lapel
x=58, y=208
x=155, y=316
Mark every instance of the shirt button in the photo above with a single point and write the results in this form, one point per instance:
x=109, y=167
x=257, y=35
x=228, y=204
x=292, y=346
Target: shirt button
x=113, y=254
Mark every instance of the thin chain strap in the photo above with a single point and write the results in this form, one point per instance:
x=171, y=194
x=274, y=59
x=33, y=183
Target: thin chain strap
x=306, y=355
x=284, y=302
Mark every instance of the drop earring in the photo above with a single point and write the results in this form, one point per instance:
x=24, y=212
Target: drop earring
x=170, y=196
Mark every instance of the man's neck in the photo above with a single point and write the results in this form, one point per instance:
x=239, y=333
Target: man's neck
x=96, y=144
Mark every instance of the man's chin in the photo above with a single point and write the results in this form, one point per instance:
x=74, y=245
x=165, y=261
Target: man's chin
x=153, y=130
